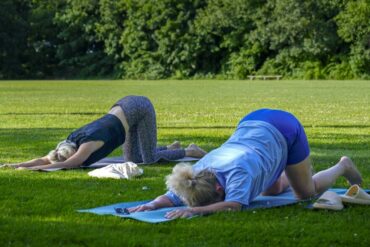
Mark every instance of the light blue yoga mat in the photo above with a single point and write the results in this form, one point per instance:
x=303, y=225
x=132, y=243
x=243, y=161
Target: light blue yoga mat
x=157, y=216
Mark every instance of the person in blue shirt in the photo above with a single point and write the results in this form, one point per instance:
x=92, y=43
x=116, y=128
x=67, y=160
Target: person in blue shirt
x=131, y=122
x=267, y=152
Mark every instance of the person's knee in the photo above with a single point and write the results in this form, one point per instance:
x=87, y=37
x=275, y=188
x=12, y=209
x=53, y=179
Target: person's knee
x=306, y=194
x=274, y=189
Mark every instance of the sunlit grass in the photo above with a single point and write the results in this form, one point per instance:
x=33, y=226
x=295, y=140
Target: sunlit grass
x=39, y=209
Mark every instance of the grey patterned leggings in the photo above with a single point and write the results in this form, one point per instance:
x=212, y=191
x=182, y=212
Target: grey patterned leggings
x=142, y=144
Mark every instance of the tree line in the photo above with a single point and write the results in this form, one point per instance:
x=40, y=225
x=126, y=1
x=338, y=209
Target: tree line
x=155, y=39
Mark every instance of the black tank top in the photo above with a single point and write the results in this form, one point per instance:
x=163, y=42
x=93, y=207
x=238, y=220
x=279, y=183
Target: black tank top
x=108, y=129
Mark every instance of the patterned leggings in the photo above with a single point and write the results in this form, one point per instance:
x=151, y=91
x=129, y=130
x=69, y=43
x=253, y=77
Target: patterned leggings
x=141, y=146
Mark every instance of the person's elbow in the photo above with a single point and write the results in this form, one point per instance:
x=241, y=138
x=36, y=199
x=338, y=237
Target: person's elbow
x=233, y=206
x=238, y=206
x=73, y=163
x=76, y=165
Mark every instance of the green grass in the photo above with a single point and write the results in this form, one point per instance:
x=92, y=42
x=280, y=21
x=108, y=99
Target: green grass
x=39, y=209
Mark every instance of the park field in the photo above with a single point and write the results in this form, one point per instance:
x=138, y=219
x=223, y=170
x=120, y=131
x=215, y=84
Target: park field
x=39, y=209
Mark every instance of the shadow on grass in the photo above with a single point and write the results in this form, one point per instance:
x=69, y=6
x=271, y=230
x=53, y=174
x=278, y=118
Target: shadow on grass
x=345, y=126
x=70, y=190
x=28, y=142
x=335, y=141
x=74, y=230
x=197, y=127
x=31, y=141
x=50, y=113
x=28, y=134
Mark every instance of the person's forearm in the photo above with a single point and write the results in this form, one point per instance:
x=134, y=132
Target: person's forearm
x=217, y=207
x=58, y=165
x=161, y=202
x=31, y=163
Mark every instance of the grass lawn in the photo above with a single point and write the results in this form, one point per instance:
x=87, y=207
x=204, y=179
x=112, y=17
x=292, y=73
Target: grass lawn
x=39, y=209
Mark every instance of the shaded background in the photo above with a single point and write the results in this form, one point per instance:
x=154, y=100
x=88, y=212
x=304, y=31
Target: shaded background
x=135, y=39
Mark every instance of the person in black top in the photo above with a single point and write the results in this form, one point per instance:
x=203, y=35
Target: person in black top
x=131, y=122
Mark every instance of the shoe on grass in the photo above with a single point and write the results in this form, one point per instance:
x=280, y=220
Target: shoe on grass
x=329, y=200
x=356, y=195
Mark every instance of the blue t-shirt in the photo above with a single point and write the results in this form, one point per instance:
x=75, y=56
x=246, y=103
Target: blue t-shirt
x=108, y=129
x=249, y=162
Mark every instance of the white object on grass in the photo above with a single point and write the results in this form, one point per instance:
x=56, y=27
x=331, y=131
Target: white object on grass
x=356, y=195
x=329, y=200
x=125, y=170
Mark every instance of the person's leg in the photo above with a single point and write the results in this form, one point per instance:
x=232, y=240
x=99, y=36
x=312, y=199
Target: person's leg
x=191, y=151
x=131, y=148
x=144, y=118
x=278, y=187
x=147, y=131
x=345, y=167
x=174, y=145
x=305, y=185
x=147, y=135
x=194, y=151
x=160, y=148
x=300, y=179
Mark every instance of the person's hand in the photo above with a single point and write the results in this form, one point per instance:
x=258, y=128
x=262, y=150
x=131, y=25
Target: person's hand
x=33, y=168
x=25, y=168
x=140, y=208
x=14, y=166
x=180, y=213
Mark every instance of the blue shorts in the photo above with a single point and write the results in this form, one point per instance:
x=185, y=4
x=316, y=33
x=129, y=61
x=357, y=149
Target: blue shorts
x=289, y=127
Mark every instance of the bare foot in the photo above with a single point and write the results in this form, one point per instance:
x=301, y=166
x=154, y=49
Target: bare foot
x=174, y=145
x=194, y=151
x=351, y=173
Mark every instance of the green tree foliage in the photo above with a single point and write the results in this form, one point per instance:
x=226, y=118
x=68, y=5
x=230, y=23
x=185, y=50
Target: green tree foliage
x=81, y=51
x=14, y=29
x=152, y=39
x=354, y=29
x=222, y=29
x=43, y=38
x=158, y=38
x=109, y=31
x=297, y=36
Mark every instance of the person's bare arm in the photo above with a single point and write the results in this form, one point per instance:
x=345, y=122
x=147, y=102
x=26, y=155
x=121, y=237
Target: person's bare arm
x=203, y=210
x=159, y=202
x=76, y=160
x=35, y=162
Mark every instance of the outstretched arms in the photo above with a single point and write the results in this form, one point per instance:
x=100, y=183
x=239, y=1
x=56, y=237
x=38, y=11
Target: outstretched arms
x=35, y=162
x=203, y=210
x=163, y=201
x=76, y=160
x=160, y=202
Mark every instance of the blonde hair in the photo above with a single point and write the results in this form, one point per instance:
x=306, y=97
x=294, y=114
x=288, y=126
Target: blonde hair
x=194, y=189
x=64, y=151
